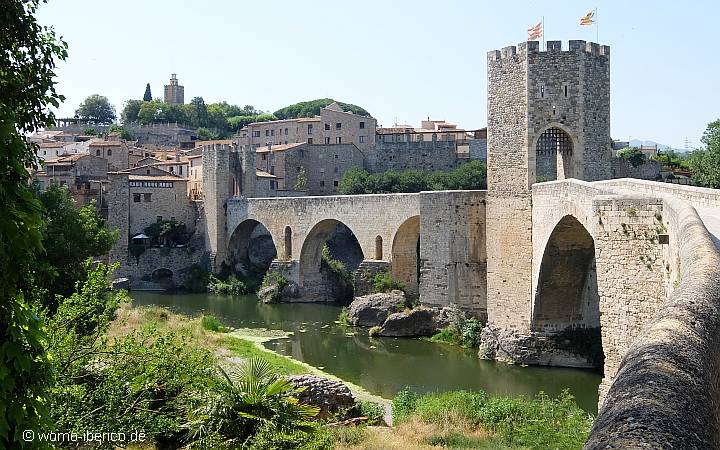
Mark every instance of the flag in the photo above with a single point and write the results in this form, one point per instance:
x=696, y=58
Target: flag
x=535, y=32
x=587, y=19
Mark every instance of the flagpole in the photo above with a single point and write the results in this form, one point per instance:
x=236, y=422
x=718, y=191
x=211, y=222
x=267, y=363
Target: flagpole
x=543, y=32
x=597, y=28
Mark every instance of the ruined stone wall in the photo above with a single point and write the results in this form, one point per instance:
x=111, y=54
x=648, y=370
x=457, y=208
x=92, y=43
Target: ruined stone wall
x=324, y=166
x=667, y=389
x=453, y=259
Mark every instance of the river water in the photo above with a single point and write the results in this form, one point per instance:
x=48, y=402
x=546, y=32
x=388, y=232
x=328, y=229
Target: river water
x=382, y=366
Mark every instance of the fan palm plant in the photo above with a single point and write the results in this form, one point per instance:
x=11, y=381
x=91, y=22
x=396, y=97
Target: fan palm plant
x=243, y=402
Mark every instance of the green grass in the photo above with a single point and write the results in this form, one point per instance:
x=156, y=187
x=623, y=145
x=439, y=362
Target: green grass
x=245, y=349
x=344, y=317
x=211, y=323
x=515, y=422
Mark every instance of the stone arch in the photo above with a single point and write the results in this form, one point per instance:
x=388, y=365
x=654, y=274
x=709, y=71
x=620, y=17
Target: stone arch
x=378, y=248
x=312, y=280
x=567, y=292
x=406, y=255
x=555, y=152
x=164, y=277
x=251, y=249
x=288, y=242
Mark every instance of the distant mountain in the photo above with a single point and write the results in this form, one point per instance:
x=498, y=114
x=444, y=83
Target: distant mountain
x=661, y=147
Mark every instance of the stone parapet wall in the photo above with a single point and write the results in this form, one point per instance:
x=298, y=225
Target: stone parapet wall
x=666, y=392
x=697, y=197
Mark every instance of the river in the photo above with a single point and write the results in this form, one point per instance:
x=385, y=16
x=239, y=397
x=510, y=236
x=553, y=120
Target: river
x=382, y=366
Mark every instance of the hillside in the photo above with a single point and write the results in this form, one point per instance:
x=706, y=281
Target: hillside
x=312, y=108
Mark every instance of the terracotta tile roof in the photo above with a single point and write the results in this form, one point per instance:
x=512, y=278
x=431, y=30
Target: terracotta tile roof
x=52, y=144
x=101, y=143
x=278, y=148
x=194, y=156
x=262, y=174
x=158, y=178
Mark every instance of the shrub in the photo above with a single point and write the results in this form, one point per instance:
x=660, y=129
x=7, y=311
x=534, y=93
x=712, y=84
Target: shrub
x=211, y=323
x=373, y=411
x=344, y=317
x=470, y=332
x=273, y=284
x=633, y=155
x=384, y=282
x=447, y=335
x=404, y=405
x=461, y=330
x=231, y=286
x=309, y=437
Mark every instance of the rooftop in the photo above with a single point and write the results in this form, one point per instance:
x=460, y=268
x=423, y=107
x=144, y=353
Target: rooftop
x=262, y=174
x=278, y=148
x=156, y=178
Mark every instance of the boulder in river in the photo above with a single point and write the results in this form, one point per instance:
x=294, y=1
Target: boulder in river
x=372, y=310
x=329, y=395
x=419, y=321
x=120, y=283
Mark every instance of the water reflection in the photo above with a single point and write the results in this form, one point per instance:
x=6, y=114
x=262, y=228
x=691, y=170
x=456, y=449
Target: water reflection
x=383, y=366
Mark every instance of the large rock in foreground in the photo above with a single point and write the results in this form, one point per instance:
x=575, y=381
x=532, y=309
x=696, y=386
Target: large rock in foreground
x=414, y=322
x=329, y=395
x=372, y=310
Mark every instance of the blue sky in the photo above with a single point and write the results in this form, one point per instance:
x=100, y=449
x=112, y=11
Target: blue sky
x=401, y=60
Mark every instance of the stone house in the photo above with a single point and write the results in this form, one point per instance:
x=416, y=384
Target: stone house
x=116, y=153
x=195, y=180
x=323, y=166
x=332, y=126
x=81, y=173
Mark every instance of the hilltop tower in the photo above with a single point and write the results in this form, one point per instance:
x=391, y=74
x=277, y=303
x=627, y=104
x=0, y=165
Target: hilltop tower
x=174, y=93
x=548, y=119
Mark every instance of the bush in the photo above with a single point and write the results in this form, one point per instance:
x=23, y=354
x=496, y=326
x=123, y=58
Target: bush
x=373, y=411
x=384, y=282
x=211, y=323
x=404, y=405
x=309, y=437
x=633, y=155
x=344, y=317
x=461, y=330
x=231, y=286
x=273, y=284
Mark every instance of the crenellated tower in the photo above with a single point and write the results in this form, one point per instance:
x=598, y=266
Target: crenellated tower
x=548, y=119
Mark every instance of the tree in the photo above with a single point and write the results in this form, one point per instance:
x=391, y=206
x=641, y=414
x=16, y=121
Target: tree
x=70, y=236
x=130, y=112
x=124, y=134
x=312, y=108
x=27, y=64
x=301, y=180
x=96, y=108
x=148, y=94
x=704, y=162
x=150, y=112
x=633, y=155
x=197, y=112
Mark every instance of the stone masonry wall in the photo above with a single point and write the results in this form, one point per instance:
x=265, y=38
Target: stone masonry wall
x=509, y=216
x=666, y=392
x=423, y=155
x=630, y=272
x=452, y=250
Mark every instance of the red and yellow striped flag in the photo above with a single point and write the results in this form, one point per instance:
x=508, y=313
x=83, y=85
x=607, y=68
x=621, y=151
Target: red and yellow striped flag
x=535, y=32
x=587, y=19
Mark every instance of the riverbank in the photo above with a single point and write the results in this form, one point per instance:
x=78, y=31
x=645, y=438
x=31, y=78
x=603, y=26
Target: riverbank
x=458, y=419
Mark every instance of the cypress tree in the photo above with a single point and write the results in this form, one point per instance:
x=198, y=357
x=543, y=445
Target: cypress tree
x=148, y=95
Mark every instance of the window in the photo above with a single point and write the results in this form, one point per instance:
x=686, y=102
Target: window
x=256, y=133
x=565, y=89
x=310, y=141
x=336, y=156
x=378, y=248
x=310, y=128
x=136, y=198
x=327, y=140
x=44, y=152
x=302, y=153
x=272, y=185
x=147, y=171
x=264, y=156
x=327, y=126
x=286, y=132
x=361, y=139
x=297, y=168
x=97, y=152
x=542, y=91
x=146, y=198
x=322, y=183
x=272, y=132
x=172, y=219
x=335, y=183
x=338, y=126
x=338, y=140
x=362, y=125
x=159, y=219
x=109, y=152
x=272, y=170
x=267, y=132
x=180, y=168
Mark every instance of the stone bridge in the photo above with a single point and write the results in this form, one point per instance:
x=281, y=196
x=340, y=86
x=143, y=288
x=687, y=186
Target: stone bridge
x=640, y=260
x=443, y=263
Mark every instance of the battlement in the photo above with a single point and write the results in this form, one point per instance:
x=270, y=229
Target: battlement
x=575, y=46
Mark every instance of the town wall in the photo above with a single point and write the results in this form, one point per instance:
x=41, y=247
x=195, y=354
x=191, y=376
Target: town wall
x=621, y=168
x=418, y=155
